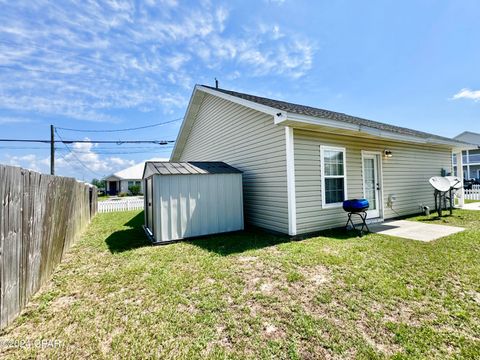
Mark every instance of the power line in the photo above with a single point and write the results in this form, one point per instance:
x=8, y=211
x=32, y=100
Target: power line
x=23, y=148
x=26, y=140
x=76, y=157
x=118, y=142
x=120, y=152
x=99, y=148
x=127, y=129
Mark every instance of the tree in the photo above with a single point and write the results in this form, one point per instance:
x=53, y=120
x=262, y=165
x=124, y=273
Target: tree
x=99, y=183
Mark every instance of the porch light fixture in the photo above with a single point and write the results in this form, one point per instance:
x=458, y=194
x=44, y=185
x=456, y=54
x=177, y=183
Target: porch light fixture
x=387, y=153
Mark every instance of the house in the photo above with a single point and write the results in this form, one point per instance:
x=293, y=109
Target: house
x=471, y=157
x=299, y=163
x=120, y=181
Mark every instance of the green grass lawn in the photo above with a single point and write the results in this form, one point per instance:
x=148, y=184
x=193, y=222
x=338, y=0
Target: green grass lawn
x=252, y=295
x=471, y=201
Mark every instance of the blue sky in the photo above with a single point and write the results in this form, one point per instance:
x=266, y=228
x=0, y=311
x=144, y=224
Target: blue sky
x=116, y=64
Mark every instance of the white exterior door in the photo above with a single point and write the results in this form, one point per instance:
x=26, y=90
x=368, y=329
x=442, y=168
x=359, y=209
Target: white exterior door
x=372, y=183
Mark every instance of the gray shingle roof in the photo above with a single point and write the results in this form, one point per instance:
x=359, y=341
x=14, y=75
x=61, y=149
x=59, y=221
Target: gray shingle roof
x=188, y=168
x=469, y=136
x=332, y=115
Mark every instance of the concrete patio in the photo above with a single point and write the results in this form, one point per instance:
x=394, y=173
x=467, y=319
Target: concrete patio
x=472, y=206
x=414, y=230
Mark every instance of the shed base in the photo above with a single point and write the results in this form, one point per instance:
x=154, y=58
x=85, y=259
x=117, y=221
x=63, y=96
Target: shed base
x=165, y=242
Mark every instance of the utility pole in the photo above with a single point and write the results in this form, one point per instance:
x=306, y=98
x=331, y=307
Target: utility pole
x=52, y=150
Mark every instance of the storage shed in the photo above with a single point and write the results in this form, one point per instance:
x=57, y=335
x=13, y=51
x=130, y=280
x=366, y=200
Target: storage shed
x=189, y=199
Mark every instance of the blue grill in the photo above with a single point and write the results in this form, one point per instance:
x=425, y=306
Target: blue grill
x=355, y=205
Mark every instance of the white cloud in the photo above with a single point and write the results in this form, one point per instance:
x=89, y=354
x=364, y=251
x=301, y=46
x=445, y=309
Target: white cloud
x=13, y=120
x=70, y=162
x=29, y=161
x=83, y=59
x=467, y=94
x=84, y=153
x=177, y=61
x=221, y=14
x=277, y=34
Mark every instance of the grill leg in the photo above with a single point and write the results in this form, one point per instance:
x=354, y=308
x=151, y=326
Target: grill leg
x=451, y=202
x=363, y=216
x=364, y=219
x=349, y=221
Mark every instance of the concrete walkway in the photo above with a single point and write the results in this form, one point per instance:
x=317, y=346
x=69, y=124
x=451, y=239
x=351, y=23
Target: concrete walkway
x=472, y=206
x=414, y=230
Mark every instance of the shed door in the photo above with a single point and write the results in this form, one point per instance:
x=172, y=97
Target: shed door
x=149, y=204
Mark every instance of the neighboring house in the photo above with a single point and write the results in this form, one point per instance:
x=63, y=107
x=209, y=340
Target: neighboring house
x=471, y=158
x=299, y=163
x=123, y=179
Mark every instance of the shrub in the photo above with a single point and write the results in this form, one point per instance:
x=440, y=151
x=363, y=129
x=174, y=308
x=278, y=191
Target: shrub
x=122, y=194
x=134, y=189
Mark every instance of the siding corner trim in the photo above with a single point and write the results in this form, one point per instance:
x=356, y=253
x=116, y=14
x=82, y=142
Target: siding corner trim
x=292, y=208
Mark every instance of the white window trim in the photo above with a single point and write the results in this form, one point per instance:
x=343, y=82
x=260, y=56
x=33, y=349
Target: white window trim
x=344, y=176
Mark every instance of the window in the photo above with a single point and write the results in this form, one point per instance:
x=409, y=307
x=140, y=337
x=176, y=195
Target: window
x=138, y=183
x=130, y=183
x=334, y=190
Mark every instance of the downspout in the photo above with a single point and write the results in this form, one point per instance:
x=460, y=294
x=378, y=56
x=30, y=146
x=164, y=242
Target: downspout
x=292, y=207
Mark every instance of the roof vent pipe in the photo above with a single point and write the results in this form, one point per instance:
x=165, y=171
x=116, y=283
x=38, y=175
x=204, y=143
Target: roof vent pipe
x=216, y=83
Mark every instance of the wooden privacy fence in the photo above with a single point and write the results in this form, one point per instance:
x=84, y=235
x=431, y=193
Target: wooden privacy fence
x=120, y=205
x=40, y=217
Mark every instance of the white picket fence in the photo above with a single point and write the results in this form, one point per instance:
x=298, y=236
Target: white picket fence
x=473, y=194
x=120, y=205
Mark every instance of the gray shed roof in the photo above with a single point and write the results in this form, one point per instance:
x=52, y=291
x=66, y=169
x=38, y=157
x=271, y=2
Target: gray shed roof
x=332, y=115
x=187, y=168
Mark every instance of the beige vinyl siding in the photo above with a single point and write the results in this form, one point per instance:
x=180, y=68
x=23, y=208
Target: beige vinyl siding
x=406, y=175
x=248, y=140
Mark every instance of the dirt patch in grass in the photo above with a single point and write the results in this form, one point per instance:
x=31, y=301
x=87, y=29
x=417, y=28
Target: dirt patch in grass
x=401, y=313
x=378, y=338
x=106, y=343
x=247, y=259
x=273, y=332
x=63, y=302
x=316, y=275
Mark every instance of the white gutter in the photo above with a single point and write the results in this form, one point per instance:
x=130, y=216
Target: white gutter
x=312, y=120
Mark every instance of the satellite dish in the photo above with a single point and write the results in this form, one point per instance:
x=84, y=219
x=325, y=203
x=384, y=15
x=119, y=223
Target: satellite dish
x=440, y=183
x=455, y=182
